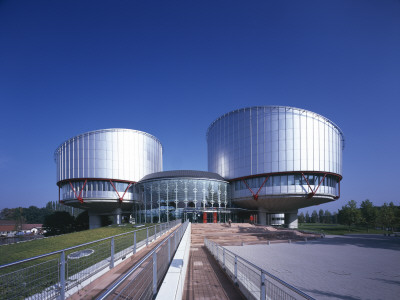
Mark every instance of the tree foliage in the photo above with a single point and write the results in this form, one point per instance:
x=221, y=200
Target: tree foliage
x=59, y=222
x=314, y=217
x=349, y=214
x=387, y=216
x=368, y=213
x=301, y=218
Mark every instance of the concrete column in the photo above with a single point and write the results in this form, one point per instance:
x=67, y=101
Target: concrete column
x=291, y=219
x=262, y=216
x=117, y=216
x=94, y=221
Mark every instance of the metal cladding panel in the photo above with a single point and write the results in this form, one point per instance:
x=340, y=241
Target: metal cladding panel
x=121, y=154
x=268, y=139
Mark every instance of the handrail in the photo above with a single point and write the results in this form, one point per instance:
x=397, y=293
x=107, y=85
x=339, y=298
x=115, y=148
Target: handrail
x=294, y=289
x=131, y=271
x=73, y=247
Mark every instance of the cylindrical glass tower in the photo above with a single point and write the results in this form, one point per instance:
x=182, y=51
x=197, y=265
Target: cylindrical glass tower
x=97, y=170
x=277, y=158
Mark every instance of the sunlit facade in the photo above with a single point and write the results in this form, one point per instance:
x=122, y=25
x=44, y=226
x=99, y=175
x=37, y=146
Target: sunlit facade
x=194, y=195
x=277, y=158
x=98, y=170
x=264, y=161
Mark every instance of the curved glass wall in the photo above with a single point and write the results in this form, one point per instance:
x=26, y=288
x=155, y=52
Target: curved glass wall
x=94, y=189
x=288, y=184
x=163, y=199
x=270, y=139
x=122, y=154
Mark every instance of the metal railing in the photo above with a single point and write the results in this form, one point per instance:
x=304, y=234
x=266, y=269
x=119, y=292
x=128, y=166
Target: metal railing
x=253, y=281
x=143, y=280
x=52, y=275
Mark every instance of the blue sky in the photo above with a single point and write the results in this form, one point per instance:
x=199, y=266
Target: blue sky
x=170, y=68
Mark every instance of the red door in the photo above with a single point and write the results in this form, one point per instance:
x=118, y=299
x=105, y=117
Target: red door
x=215, y=217
x=204, y=217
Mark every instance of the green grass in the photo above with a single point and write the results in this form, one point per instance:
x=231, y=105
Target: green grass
x=28, y=278
x=337, y=229
x=15, y=252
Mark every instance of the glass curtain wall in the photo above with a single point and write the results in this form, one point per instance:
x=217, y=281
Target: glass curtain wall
x=166, y=199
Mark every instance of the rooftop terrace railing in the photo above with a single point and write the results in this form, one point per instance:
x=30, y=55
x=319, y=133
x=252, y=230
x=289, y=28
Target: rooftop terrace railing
x=254, y=282
x=60, y=273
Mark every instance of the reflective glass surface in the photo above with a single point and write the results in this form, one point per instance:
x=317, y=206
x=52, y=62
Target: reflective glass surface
x=121, y=154
x=269, y=139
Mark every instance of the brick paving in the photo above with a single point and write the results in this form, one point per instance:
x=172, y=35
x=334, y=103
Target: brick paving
x=205, y=279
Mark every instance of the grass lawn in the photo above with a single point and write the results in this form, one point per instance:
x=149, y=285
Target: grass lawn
x=28, y=278
x=337, y=229
x=19, y=251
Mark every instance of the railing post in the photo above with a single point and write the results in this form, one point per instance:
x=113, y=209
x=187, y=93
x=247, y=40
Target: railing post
x=262, y=287
x=175, y=239
x=147, y=236
x=154, y=273
x=134, y=242
x=155, y=231
x=236, y=281
x=112, y=253
x=62, y=276
x=223, y=258
x=169, y=249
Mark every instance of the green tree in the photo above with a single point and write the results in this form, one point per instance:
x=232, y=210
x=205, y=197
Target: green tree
x=314, y=217
x=59, y=222
x=82, y=221
x=387, y=216
x=368, y=213
x=349, y=214
x=7, y=213
x=335, y=218
x=308, y=220
x=321, y=218
x=301, y=218
x=19, y=218
x=328, y=217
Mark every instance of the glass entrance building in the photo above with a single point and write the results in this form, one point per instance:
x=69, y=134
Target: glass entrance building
x=195, y=195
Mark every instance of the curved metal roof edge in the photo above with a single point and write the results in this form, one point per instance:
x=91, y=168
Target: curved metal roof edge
x=276, y=106
x=189, y=174
x=106, y=130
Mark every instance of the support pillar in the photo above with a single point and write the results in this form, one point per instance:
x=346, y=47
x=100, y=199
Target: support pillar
x=117, y=216
x=291, y=220
x=94, y=221
x=262, y=216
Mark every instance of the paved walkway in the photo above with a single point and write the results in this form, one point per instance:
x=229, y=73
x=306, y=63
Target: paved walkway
x=336, y=267
x=205, y=279
x=100, y=285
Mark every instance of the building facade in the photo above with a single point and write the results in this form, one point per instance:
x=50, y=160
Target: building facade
x=194, y=195
x=278, y=159
x=268, y=160
x=98, y=170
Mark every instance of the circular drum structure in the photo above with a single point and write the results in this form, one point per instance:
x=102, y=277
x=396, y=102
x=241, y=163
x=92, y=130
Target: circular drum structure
x=277, y=158
x=97, y=170
x=195, y=195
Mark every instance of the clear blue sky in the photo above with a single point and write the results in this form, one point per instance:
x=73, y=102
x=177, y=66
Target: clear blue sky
x=172, y=67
